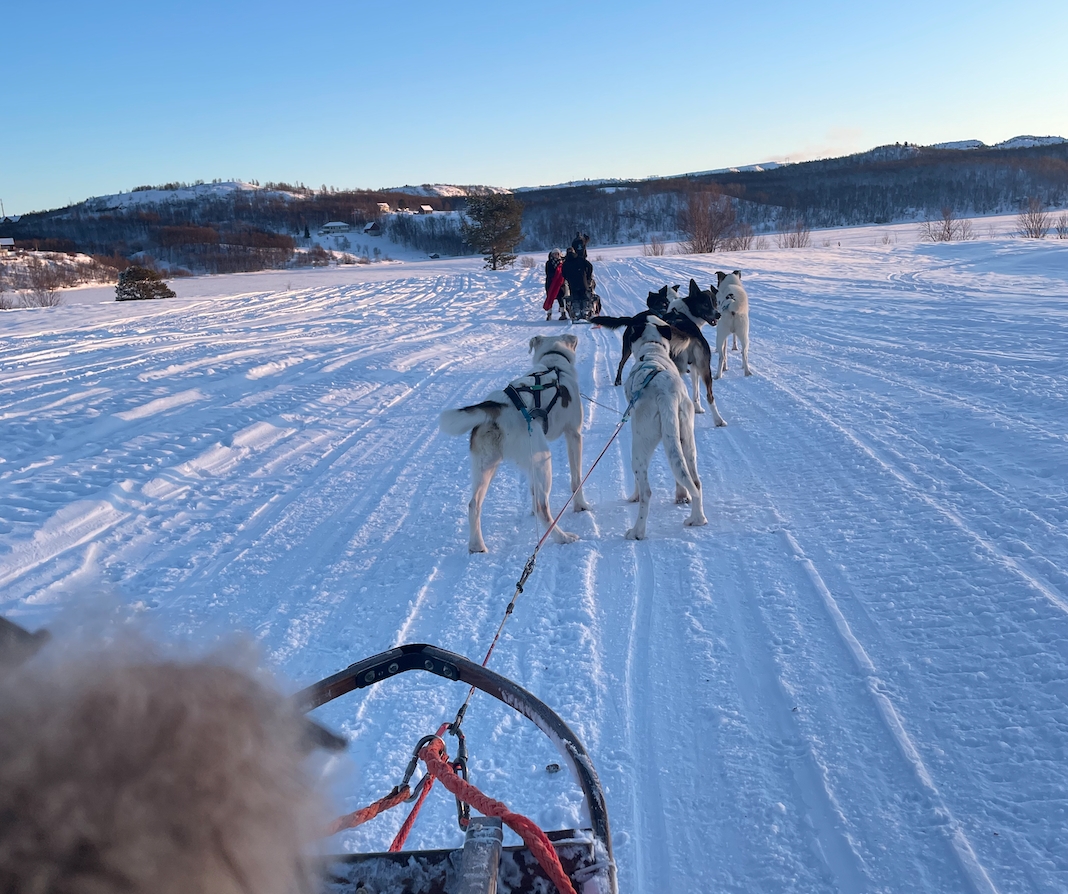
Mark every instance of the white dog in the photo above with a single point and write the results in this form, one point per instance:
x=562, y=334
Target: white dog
x=662, y=410
x=517, y=423
x=733, y=306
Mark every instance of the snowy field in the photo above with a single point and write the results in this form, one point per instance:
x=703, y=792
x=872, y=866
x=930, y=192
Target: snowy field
x=854, y=679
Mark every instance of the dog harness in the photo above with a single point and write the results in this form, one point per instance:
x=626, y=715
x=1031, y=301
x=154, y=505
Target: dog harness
x=534, y=384
x=653, y=370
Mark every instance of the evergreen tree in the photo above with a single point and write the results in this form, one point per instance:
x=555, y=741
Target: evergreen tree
x=137, y=283
x=492, y=226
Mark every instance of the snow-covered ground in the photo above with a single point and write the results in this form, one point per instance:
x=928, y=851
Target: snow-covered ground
x=855, y=678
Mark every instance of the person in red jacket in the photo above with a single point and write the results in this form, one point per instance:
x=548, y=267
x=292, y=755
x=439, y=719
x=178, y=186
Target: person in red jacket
x=555, y=286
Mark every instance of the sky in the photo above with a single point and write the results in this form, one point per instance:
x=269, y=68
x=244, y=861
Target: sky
x=101, y=98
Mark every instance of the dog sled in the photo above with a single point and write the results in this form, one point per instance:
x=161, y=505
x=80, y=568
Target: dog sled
x=481, y=865
x=580, y=309
x=570, y=861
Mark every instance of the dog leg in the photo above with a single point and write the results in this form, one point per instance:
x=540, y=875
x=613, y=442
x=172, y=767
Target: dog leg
x=706, y=375
x=745, y=349
x=694, y=376
x=721, y=350
x=541, y=483
x=483, y=468
x=645, y=492
x=734, y=343
x=641, y=452
x=688, y=446
x=622, y=361
x=574, y=461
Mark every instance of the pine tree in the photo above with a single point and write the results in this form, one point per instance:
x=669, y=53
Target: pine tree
x=137, y=283
x=492, y=226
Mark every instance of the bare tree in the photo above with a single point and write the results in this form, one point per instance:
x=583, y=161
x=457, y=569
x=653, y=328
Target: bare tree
x=655, y=248
x=945, y=228
x=45, y=281
x=794, y=233
x=1062, y=225
x=706, y=220
x=5, y=303
x=741, y=239
x=1033, y=221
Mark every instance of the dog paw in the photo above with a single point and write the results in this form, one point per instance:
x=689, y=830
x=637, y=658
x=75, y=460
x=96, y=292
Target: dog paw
x=692, y=522
x=477, y=548
x=581, y=506
x=682, y=497
x=697, y=408
x=634, y=534
x=564, y=536
x=721, y=422
x=748, y=372
x=633, y=498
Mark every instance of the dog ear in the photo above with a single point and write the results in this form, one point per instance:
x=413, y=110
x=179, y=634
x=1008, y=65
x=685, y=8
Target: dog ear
x=714, y=292
x=534, y=342
x=720, y=276
x=570, y=340
x=675, y=288
x=665, y=332
x=694, y=288
x=738, y=273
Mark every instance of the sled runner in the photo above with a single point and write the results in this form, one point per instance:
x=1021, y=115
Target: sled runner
x=481, y=865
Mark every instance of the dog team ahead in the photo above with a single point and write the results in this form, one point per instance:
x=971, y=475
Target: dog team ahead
x=517, y=422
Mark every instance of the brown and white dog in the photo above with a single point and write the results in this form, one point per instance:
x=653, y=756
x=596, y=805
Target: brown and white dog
x=517, y=423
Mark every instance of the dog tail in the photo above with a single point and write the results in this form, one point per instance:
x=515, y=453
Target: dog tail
x=462, y=420
x=610, y=322
x=671, y=438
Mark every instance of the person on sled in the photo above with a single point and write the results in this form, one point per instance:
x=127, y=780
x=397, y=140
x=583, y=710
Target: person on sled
x=555, y=286
x=578, y=274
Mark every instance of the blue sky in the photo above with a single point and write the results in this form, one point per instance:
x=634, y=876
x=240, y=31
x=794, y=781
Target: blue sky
x=100, y=98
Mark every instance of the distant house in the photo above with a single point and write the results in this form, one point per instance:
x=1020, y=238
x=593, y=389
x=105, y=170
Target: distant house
x=6, y=244
x=372, y=229
x=335, y=226
x=425, y=209
x=383, y=207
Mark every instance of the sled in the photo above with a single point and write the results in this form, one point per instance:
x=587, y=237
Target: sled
x=482, y=865
x=580, y=310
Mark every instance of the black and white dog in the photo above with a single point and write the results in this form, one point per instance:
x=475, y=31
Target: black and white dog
x=661, y=412
x=517, y=423
x=689, y=348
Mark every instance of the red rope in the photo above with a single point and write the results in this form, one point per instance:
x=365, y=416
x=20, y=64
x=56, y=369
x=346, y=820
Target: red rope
x=433, y=754
x=361, y=816
x=406, y=826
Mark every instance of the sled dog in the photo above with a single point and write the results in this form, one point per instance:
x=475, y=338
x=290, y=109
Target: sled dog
x=689, y=348
x=517, y=423
x=690, y=313
x=734, y=319
x=662, y=411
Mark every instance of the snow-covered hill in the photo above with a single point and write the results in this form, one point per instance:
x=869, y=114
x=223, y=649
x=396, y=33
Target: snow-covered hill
x=853, y=679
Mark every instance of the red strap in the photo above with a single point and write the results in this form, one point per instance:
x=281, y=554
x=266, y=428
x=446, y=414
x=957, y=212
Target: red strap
x=433, y=755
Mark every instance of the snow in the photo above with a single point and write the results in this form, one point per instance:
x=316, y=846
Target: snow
x=853, y=679
x=1022, y=142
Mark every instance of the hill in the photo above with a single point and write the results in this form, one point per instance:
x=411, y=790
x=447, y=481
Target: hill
x=232, y=226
